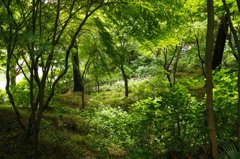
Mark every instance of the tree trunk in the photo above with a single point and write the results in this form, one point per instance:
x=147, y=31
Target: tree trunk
x=125, y=78
x=83, y=98
x=199, y=55
x=77, y=85
x=220, y=43
x=13, y=80
x=13, y=75
x=33, y=132
x=98, y=85
x=209, y=84
x=8, y=91
x=167, y=64
x=238, y=48
x=169, y=78
x=237, y=42
x=175, y=65
x=36, y=130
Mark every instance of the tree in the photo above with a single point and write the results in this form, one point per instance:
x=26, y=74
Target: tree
x=209, y=84
x=116, y=49
x=40, y=33
x=139, y=22
x=87, y=51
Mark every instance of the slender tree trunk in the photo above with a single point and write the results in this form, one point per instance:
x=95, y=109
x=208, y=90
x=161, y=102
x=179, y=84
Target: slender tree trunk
x=167, y=64
x=169, y=78
x=209, y=84
x=233, y=48
x=199, y=55
x=10, y=42
x=8, y=91
x=125, y=78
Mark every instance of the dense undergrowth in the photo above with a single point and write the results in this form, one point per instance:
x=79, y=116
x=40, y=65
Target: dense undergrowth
x=155, y=121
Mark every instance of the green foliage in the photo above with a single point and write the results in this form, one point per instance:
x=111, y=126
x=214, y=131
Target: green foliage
x=106, y=37
x=150, y=127
x=166, y=122
x=3, y=96
x=21, y=94
x=145, y=66
x=225, y=101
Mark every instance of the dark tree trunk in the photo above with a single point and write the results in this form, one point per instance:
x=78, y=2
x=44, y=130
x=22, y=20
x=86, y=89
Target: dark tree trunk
x=235, y=54
x=77, y=84
x=167, y=64
x=33, y=131
x=220, y=43
x=125, y=78
x=209, y=84
x=169, y=78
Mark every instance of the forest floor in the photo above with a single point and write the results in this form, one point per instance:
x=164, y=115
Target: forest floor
x=63, y=134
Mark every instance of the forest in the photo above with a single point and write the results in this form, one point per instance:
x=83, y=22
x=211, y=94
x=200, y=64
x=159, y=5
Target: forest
x=119, y=79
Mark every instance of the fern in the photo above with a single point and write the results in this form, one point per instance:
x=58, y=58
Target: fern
x=229, y=152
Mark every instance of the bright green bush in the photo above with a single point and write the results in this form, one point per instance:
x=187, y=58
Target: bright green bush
x=21, y=94
x=106, y=127
x=172, y=122
x=225, y=105
x=3, y=96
